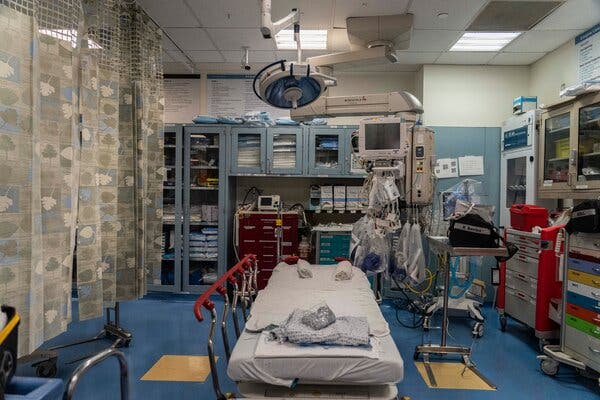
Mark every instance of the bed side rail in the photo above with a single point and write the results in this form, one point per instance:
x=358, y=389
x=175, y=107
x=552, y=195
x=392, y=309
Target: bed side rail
x=246, y=271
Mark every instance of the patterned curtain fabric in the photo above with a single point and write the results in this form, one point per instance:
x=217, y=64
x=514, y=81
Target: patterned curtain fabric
x=97, y=185
x=39, y=154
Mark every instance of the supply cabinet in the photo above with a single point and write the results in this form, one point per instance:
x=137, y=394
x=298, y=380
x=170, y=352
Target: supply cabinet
x=581, y=321
x=569, y=152
x=256, y=234
x=170, y=273
x=204, y=257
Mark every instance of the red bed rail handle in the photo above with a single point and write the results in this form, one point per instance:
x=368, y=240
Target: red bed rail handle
x=340, y=259
x=291, y=260
x=204, y=299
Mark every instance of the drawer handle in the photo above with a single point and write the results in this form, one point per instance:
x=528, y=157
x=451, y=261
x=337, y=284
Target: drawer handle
x=593, y=350
x=596, y=269
x=596, y=282
x=249, y=226
x=521, y=296
x=596, y=295
x=522, y=277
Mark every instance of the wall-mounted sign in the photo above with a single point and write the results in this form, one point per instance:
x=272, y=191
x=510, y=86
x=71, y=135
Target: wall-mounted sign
x=588, y=49
x=232, y=95
x=182, y=99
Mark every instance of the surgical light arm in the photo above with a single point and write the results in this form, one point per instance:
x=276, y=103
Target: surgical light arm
x=392, y=103
x=268, y=28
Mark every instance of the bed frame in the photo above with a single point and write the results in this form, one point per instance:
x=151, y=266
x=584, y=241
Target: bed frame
x=243, y=279
x=245, y=271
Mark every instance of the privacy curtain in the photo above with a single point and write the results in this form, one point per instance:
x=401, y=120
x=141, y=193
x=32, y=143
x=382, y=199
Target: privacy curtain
x=94, y=186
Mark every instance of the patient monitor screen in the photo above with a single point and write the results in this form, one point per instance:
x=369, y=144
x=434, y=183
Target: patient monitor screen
x=382, y=136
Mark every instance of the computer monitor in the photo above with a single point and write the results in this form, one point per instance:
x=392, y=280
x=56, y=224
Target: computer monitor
x=382, y=138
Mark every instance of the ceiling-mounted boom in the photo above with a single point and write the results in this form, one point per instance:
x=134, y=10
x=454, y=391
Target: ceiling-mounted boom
x=361, y=105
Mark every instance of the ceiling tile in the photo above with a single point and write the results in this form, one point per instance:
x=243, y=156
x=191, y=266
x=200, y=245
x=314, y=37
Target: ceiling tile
x=411, y=57
x=465, y=57
x=433, y=40
x=166, y=57
x=363, y=8
x=313, y=13
x=516, y=58
x=257, y=56
x=536, y=41
x=235, y=38
x=167, y=44
x=190, y=38
x=205, y=56
x=573, y=14
x=177, y=56
x=337, y=40
x=227, y=13
x=175, y=14
x=460, y=13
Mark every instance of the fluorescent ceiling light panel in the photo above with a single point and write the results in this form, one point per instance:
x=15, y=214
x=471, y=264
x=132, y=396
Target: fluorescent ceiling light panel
x=68, y=35
x=310, y=39
x=484, y=41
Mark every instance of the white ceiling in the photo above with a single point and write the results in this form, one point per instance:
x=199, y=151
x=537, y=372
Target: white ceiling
x=213, y=31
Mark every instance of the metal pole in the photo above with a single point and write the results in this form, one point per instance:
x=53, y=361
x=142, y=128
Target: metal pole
x=224, y=326
x=244, y=287
x=211, y=356
x=236, y=323
x=446, y=293
x=94, y=360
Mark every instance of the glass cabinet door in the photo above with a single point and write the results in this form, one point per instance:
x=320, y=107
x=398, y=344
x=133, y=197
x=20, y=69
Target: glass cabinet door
x=284, y=149
x=201, y=218
x=588, y=166
x=248, y=149
x=516, y=181
x=556, y=148
x=170, y=273
x=326, y=152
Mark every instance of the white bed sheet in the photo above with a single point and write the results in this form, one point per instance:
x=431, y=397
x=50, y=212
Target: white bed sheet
x=285, y=275
x=282, y=371
x=287, y=292
x=268, y=348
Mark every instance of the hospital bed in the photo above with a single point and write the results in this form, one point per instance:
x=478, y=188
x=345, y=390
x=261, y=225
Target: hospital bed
x=265, y=369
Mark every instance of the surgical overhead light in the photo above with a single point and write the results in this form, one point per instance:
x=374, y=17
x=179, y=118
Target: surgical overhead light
x=284, y=84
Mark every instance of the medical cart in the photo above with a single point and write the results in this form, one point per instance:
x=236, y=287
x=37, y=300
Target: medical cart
x=580, y=336
x=530, y=280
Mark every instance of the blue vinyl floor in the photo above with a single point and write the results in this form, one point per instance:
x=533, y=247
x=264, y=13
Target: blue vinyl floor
x=166, y=325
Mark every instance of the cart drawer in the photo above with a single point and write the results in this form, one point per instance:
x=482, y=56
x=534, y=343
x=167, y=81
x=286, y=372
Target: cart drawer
x=583, y=326
x=520, y=306
x=588, y=241
x=583, y=347
x=590, y=280
x=522, y=283
x=523, y=265
x=588, y=265
x=592, y=317
x=529, y=240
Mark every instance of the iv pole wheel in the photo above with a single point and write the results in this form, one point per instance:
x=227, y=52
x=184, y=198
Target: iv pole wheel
x=46, y=369
x=549, y=366
x=502, y=319
x=478, y=329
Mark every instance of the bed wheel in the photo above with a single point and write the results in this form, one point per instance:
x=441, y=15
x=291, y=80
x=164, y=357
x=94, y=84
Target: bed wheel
x=477, y=330
x=46, y=369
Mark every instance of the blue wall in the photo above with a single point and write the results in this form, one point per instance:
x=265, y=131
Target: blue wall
x=454, y=142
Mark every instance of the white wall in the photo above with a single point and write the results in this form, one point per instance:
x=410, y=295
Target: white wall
x=552, y=72
x=469, y=95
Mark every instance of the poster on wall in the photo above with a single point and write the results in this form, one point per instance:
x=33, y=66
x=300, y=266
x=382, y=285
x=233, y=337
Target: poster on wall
x=182, y=99
x=232, y=95
x=588, y=50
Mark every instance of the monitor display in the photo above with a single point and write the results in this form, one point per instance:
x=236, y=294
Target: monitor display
x=382, y=136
